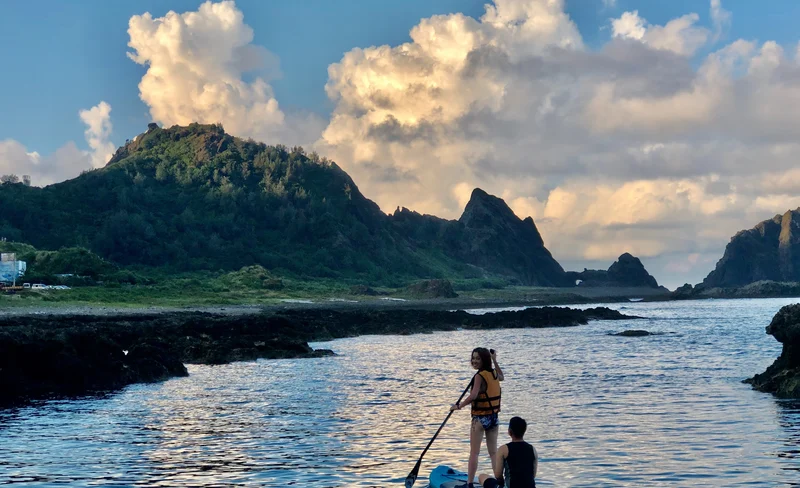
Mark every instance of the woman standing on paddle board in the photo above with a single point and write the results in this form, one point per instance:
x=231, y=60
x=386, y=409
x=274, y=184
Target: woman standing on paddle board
x=484, y=397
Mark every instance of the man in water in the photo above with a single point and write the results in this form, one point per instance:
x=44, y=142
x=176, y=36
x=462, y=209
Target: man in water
x=515, y=463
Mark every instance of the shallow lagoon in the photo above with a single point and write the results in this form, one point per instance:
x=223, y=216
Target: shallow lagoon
x=664, y=410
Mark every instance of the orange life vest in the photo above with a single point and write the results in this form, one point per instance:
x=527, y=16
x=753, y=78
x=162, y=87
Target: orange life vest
x=488, y=401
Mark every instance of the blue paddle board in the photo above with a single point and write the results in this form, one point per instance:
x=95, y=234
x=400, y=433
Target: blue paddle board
x=447, y=477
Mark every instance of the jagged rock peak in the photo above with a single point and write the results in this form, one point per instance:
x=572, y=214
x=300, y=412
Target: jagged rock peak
x=485, y=210
x=482, y=205
x=496, y=238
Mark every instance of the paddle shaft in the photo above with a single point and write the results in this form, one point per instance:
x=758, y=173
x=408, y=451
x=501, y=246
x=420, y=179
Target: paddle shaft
x=412, y=477
x=445, y=421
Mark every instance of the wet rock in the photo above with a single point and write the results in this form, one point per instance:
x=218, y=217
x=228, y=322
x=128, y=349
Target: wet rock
x=633, y=333
x=37, y=361
x=320, y=353
x=782, y=378
x=154, y=361
x=324, y=324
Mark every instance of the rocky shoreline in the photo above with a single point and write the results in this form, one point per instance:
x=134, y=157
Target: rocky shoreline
x=51, y=355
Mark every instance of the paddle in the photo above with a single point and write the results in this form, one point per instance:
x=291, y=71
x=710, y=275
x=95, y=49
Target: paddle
x=412, y=476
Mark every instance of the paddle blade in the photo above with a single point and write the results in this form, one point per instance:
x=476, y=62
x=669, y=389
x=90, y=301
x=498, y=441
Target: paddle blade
x=412, y=476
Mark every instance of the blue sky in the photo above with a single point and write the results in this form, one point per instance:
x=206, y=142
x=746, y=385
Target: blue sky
x=61, y=57
x=619, y=126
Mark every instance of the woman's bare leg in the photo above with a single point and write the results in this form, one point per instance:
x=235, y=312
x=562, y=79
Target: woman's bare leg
x=491, y=443
x=475, y=438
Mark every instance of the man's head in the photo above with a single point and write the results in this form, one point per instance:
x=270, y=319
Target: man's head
x=517, y=427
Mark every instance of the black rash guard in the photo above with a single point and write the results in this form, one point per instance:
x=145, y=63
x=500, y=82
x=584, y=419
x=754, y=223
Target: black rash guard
x=518, y=472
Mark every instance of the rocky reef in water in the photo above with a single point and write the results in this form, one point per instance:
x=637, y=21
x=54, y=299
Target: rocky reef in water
x=635, y=333
x=759, y=289
x=782, y=378
x=51, y=355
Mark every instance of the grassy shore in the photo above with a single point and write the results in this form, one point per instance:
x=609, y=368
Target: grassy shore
x=197, y=294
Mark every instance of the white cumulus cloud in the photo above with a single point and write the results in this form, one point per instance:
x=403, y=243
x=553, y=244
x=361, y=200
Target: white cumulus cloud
x=629, y=26
x=196, y=63
x=680, y=35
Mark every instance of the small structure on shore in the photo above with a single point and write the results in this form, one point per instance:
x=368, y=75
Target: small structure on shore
x=10, y=268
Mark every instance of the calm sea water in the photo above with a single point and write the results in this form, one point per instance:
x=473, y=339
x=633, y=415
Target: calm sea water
x=665, y=410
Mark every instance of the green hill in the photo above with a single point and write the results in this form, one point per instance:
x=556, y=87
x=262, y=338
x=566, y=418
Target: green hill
x=195, y=198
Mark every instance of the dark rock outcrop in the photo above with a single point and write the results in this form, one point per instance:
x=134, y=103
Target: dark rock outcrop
x=65, y=355
x=769, y=251
x=782, y=378
x=432, y=289
x=36, y=360
x=627, y=270
x=684, y=292
x=324, y=324
x=153, y=360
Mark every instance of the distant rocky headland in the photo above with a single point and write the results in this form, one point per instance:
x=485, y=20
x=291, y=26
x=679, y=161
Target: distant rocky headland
x=43, y=356
x=761, y=262
x=770, y=251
